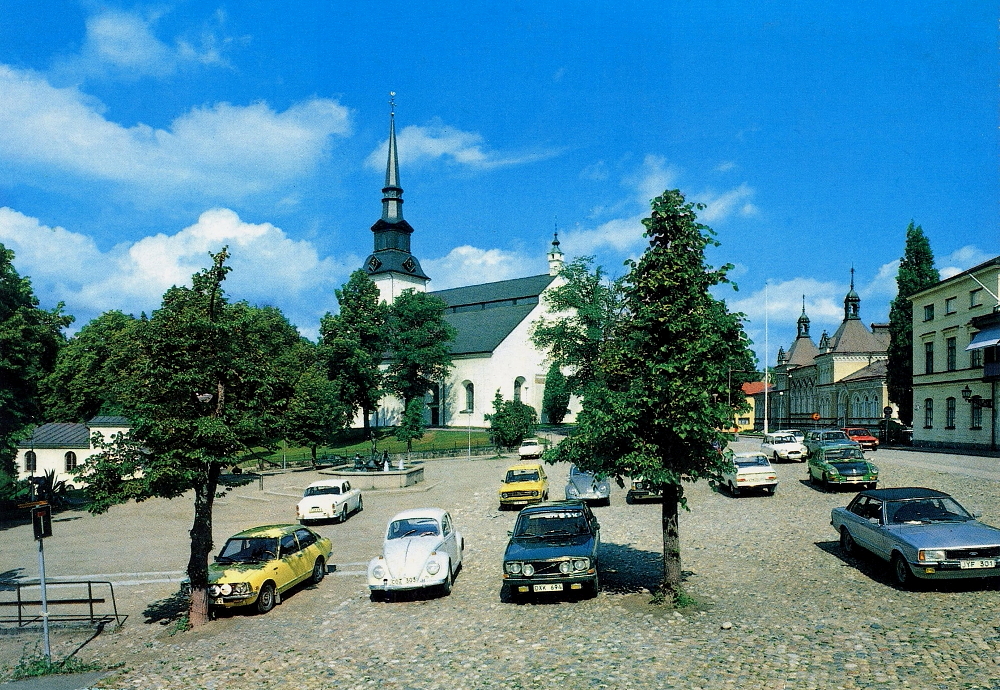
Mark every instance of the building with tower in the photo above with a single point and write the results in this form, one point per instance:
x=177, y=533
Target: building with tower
x=838, y=382
x=492, y=350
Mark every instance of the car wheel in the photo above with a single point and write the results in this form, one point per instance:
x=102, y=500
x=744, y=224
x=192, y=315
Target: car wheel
x=847, y=544
x=776, y=457
x=266, y=599
x=377, y=595
x=319, y=571
x=733, y=489
x=361, y=504
x=812, y=479
x=342, y=518
x=770, y=490
x=629, y=498
x=545, y=496
x=446, y=585
x=901, y=571
x=595, y=587
x=826, y=483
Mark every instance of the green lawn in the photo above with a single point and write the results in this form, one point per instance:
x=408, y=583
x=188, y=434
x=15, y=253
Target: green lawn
x=354, y=442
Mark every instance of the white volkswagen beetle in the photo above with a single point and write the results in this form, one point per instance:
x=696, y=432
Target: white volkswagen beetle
x=329, y=499
x=422, y=549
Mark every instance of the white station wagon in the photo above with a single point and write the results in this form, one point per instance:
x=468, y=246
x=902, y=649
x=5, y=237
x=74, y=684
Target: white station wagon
x=783, y=446
x=329, y=499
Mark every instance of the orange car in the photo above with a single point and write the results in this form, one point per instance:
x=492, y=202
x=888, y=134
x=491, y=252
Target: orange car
x=862, y=437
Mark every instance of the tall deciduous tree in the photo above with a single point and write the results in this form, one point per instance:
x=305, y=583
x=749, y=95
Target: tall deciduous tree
x=658, y=406
x=30, y=339
x=411, y=426
x=419, y=345
x=916, y=272
x=81, y=385
x=204, y=381
x=555, y=402
x=588, y=306
x=355, y=340
x=316, y=413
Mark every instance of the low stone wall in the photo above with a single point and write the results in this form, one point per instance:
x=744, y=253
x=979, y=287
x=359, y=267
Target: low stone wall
x=364, y=480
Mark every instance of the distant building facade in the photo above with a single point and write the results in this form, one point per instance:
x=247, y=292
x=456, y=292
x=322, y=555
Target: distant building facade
x=956, y=331
x=61, y=447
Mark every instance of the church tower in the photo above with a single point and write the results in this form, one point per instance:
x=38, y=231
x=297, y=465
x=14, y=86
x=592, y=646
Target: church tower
x=391, y=265
x=555, y=256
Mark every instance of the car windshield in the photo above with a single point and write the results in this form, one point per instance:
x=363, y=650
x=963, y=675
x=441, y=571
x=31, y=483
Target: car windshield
x=575, y=471
x=925, y=510
x=783, y=439
x=835, y=436
x=858, y=432
x=754, y=461
x=529, y=443
x=413, y=527
x=555, y=523
x=248, y=550
x=322, y=490
x=843, y=454
x=521, y=476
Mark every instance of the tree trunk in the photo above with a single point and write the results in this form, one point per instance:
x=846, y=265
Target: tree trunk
x=201, y=545
x=314, y=456
x=671, y=542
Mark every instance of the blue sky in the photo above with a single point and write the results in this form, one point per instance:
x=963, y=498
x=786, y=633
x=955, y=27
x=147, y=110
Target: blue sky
x=134, y=139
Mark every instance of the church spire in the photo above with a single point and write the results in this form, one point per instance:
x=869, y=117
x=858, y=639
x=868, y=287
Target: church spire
x=555, y=255
x=803, y=322
x=392, y=193
x=852, y=302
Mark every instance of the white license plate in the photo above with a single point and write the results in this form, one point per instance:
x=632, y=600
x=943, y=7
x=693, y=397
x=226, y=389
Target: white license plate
x=557, y=587
x=403, y=580
x=315, y=510
x=970, y=563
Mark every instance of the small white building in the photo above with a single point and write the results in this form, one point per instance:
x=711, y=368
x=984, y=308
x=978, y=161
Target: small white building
x=61, y=447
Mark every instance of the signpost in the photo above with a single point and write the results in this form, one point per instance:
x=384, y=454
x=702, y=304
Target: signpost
x=41, y=522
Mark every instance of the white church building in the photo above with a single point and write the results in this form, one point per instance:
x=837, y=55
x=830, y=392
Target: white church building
x=492, y=349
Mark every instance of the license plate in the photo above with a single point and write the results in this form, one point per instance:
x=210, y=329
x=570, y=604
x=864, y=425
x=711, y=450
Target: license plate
x=969, y=564
x=315, y=510
x=404, y=580
x=557, y=587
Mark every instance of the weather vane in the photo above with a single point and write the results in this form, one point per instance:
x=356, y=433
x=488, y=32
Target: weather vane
x=392, y=104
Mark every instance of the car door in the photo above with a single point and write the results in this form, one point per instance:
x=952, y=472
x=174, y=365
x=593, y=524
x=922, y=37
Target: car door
x=862, y=529
x=353, y=496
x=293, y=558
x=449, y=544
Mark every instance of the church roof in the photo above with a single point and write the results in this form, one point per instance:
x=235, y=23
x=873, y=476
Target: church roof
x=483, y=315
x=58, y=435
x=875, y=370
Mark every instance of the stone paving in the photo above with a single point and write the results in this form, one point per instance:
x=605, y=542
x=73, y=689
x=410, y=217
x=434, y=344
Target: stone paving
x=780, y=606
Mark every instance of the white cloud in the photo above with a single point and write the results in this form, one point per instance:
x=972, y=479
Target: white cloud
x=218, y=152
x=417, y=144
x=883, y=285
x=721, y=206
x=123, y=45
x=268, y=267
x=962, y=259
x=467, y=265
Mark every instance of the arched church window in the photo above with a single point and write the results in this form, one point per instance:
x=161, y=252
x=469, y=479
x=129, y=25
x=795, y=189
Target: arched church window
x=30, y=461
x=518, y=386
x=70, y=460
x=470, y=396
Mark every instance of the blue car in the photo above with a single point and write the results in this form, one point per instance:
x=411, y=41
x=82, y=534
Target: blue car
x=922, y=533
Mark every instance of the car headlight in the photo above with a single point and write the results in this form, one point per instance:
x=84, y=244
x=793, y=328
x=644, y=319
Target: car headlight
x=565, y=567
x=242, y=588
x=528, y=569
x=572, y=491
x=213, y=590
x=513, y=567
x=534, y=493
x=930, y=555
x=378, y=572
x=225, y=589
x=433, y=567
x=833, y=470
x=503, y=494
x=581, y=564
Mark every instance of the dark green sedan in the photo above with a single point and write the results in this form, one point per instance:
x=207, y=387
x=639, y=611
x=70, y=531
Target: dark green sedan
x=841, y=464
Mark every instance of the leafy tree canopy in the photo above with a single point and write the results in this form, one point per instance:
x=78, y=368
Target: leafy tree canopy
x=511, y=422
x=555, y=402
x=30, y=339
x=411, y=426
x=419, y=344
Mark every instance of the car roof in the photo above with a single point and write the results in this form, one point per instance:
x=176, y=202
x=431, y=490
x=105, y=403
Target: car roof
x=750, y=454
x=529, y=440
x=553, y=505
x=267, y=531
x=903, y=493
x=525, y=466
x=436, y=513
x=326, y=482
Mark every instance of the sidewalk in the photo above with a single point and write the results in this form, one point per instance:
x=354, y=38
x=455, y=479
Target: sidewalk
x=72, y=681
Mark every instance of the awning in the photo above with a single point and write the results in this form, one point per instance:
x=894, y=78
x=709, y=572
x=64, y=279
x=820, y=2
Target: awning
x=988, y=337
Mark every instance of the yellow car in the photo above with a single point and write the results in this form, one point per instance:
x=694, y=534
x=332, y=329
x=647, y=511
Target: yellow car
x=523, y=485
x=257, y=565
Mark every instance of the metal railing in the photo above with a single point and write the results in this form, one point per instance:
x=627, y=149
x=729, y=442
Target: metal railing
x=89, y=608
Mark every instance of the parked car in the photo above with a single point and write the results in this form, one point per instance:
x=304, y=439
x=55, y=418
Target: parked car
x=422, y=549
x=751, y=472
x=862, y=437
x=530, y=449
x=835, y=465
x=921, y=533
x=523, y=484
x=823, y=437
x=800, y=436
x=782, y=445
x=553, y=548
x=585, y=486
x=329, y=499
x=257, y=565
x=642, y=490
